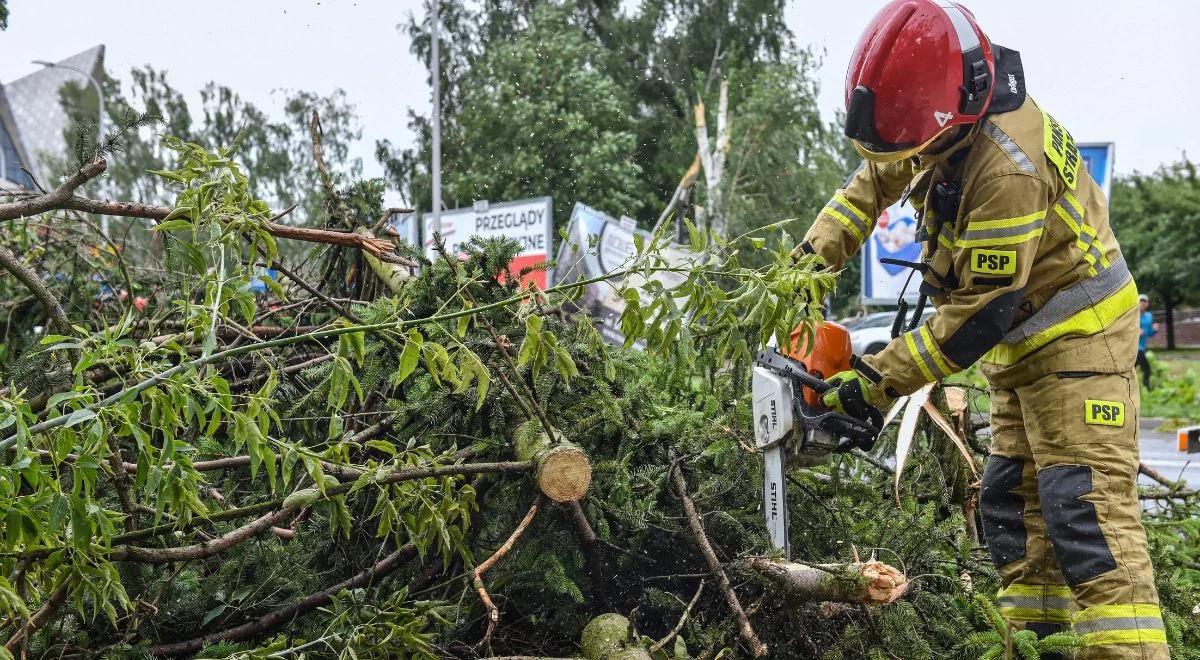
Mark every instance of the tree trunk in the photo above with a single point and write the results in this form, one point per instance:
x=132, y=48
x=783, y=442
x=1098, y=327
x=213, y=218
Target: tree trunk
x=870, y=583
x=1170, y=321
x=563, y=471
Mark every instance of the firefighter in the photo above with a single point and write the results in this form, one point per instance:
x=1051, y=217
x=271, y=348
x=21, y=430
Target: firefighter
x=1026, y=278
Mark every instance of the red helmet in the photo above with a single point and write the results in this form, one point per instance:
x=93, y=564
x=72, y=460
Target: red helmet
x=920, y=68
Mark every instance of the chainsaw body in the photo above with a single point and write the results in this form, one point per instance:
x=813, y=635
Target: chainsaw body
x=791, y=423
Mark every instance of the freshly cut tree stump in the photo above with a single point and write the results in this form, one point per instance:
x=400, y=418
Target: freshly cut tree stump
x=606, y=637
x=563, y=471
x=871, y=582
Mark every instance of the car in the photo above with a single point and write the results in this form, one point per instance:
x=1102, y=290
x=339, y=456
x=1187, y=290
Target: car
x=871, y=332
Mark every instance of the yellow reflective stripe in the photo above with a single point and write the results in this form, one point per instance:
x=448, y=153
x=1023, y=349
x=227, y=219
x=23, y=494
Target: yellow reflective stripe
x=1137, y=623
x=1004, y=223
x=1062, y=213
x=935, y=352
x=845, y=221
x=853, y=209
x=1036, y=614
x=1083, y=323
x=1006, y=240
x=1038, y=590
x=916, y=356
x=1125, y=637
x=1070, y=198
x=1118, y=611
x=945, y=242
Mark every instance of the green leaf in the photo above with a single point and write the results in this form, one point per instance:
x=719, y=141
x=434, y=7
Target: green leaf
x=383, y=446
x=212, y=614
x=79, y=417
x=169, y=225
x=408, y=359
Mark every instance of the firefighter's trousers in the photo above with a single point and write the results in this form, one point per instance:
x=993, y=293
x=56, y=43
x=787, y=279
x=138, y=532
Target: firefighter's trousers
x=1062, y=518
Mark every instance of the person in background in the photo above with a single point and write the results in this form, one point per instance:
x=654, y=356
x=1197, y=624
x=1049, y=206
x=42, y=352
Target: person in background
x=1148, y=328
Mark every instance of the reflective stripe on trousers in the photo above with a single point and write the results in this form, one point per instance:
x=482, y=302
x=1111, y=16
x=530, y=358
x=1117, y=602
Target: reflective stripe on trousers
x=1102, y=625
x=1043, y=603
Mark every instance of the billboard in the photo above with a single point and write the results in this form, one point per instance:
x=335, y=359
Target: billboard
x=527, y=221
x=895, y=236
x=597, y=244
x=1098, y=159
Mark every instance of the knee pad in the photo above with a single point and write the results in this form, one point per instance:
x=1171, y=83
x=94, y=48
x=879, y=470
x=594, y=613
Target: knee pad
x=1073, y=524
x=1003, y=510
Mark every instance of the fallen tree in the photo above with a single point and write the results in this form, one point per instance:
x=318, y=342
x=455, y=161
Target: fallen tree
x=439, y=463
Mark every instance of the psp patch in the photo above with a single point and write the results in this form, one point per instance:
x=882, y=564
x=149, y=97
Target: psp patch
x=994, y=262
x=1104, y=413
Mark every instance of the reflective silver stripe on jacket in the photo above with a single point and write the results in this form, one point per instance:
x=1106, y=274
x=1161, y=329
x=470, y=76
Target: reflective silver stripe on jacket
x=1119, y=623
x=1006, y=143
x=1072, y=300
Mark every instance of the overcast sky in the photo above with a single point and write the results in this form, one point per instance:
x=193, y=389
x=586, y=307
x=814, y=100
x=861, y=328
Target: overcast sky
x=1110, y=70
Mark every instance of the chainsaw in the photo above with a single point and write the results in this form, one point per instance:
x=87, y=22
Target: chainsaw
x=790, y=420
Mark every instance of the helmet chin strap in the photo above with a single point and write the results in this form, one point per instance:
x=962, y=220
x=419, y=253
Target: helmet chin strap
x=947, y=140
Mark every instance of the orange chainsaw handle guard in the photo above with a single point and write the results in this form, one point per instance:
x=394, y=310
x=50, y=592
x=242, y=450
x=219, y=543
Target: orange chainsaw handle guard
x=828, y=354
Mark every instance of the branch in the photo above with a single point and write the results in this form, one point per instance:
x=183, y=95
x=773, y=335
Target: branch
x=393, y=477
x=26, y=276
x=41, y=616
x=282, y=617
x=756, y=646
x=477, y=581
x=870, y=583
x=1157, y=476
x=201, y=550
x=57, y=199
x=380, y=248
x=658, y=646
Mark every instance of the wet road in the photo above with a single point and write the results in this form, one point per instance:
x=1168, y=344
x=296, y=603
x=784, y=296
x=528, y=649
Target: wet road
x=1160, y=451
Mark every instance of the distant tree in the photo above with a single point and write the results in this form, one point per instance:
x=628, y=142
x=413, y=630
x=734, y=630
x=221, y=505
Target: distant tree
x=642, y=70
x=3, y=14
x=277, y=154
x=1157, y=219
x=537, y=114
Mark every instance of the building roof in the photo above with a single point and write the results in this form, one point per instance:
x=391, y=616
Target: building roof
x=14, y=152
x=37, y=109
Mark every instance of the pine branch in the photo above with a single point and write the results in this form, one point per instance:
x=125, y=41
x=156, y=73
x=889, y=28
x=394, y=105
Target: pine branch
x=283, y=616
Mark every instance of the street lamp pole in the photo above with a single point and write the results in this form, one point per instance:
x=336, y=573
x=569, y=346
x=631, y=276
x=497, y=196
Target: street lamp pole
x=99, y=124
x=435, y=65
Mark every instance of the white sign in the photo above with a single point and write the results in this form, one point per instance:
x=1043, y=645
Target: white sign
x=895, y=237
x=528, y=222
x=597, y=244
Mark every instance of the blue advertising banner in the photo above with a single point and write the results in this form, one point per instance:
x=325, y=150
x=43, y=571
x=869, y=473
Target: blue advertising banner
x=1098, y=158
x=894, y=236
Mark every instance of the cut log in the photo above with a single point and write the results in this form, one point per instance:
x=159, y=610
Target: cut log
x=563, y=472
x=870, y=582
x=606, y=637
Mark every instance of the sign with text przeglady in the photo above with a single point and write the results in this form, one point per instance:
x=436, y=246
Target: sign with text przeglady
x=526, y=221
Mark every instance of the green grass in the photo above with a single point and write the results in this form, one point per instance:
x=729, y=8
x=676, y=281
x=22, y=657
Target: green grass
x=1176, y=393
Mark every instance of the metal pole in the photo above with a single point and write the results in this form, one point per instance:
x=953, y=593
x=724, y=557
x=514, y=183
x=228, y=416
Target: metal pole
x=437, y=122
x=99, y=123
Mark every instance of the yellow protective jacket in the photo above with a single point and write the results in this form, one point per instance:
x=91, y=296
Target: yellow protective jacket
x=1025, y=274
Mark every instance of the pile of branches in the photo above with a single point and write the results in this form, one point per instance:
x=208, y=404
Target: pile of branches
x=388, y=454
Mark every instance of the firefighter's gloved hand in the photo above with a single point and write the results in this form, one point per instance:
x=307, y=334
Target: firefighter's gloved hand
x=851, y=395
